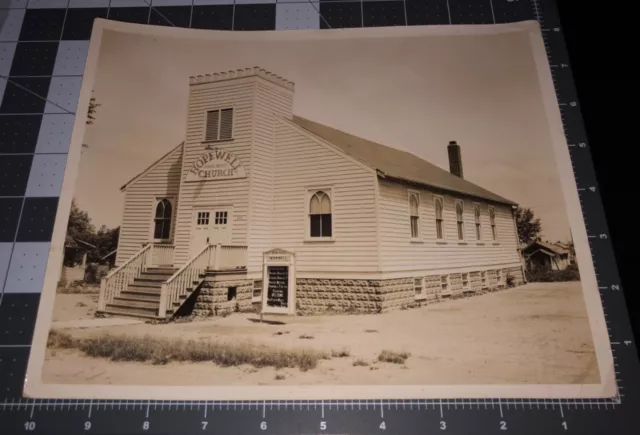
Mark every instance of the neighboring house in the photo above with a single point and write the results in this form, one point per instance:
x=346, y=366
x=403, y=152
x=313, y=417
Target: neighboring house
x=74, y=260
x=570, y=249
x=259, y=200
x=546, y=256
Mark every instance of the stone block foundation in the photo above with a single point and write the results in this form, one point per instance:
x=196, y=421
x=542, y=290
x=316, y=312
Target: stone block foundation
x=319, y=296
x=217, y=298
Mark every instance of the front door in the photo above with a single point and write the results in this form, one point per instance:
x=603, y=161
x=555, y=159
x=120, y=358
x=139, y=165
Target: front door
x=210, y=226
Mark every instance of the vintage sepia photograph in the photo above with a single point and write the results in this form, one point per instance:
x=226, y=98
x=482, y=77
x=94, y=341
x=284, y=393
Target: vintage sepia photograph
x=317, y=214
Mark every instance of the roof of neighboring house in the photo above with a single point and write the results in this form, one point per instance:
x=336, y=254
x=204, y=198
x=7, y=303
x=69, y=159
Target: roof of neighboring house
x=396, y=164
x=150, y=167
x=547, y=248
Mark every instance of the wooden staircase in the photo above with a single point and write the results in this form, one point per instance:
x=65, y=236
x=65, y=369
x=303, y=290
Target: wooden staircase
x=142, y=297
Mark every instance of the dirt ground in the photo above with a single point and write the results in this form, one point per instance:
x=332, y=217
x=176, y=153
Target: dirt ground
x=537, y=333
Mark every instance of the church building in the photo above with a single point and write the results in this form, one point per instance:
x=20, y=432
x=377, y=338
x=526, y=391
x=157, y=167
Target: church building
x=259, y=207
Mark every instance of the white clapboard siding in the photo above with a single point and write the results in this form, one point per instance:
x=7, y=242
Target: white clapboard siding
x=239, y=95
x=303, y=163
x=400, y=253
x=161, y=180
x=271, y=101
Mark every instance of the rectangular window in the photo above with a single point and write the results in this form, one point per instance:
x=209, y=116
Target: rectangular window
x=219, y=125
x=465, y=281
x=499, y=272
x=444, y=283
x=257, y=289
x=203, y=218
x=220, y=218
x=418, y=287
x=484, y=278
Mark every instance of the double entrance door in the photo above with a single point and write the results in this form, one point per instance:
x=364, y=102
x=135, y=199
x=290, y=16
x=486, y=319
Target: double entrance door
x=210, y=225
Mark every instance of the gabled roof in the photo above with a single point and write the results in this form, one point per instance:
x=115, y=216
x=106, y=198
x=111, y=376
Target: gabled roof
x=396, y=164
x=150, y=167
x=547, y=248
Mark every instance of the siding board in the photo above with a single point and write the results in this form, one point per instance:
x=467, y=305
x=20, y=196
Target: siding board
x=163, y=180
x=399, y=253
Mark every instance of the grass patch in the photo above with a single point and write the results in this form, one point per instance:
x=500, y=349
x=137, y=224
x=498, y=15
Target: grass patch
x=306, y=337
x=393, y=357
x=340, y=353
x=360, y=363
x=371, y=330
x=163, y=351
x=79, y=287
x=280, y=377
x=60, y=340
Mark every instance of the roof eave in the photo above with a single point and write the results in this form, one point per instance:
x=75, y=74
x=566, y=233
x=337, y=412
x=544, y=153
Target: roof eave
x=445, y=189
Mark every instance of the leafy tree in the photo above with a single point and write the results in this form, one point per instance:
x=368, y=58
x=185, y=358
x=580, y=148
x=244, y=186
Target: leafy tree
x=105, y=240
x=79, y=225
x=529, y=227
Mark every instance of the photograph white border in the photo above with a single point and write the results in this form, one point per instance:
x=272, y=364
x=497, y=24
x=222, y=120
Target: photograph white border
x=34, y=387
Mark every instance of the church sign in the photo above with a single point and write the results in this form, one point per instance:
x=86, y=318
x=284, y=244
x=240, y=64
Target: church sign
x=216, y=165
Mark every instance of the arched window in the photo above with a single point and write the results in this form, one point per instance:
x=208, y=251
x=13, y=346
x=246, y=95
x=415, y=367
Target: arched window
x=460, y=220
x=492, y=220
x=414, y=214
x=162, y=220
x=320, y=224
x=476, y=214
x=439, y=219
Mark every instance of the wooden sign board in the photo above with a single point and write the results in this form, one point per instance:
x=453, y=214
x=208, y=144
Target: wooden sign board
x=278, y=296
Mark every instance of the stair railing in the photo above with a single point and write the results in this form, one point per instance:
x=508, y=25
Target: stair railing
x=188, y=277
x=119, y=278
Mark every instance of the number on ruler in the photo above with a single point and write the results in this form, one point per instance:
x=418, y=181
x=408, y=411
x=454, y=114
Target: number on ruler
x=615, y=287
x=29, y=426
x=564, y=425
x=204, y=425
x=573, y=103
x=323, y=425
x=145, y=425
x=603, y=236
x=383, y=426
x=87, y=425
x=443, y=425
x=592, y=188
x=263, y=425
x=564, y=65
x=556, y=29
x=503, y=425
x=582, y=144
x=627, y=342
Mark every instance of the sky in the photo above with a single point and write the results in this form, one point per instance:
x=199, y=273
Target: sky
x=415, y=94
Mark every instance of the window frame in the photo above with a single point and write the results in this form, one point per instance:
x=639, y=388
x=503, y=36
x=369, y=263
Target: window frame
x=458, y=230
x=477, y=223
x=484, y=279
x=448, y=291
x=152, y=231
x=468, y=285
x=412, y=193
x=423, y=293
x=258, y=298
x=328, y=190
x=440, y=198
x=492, y=224
x=219, y=110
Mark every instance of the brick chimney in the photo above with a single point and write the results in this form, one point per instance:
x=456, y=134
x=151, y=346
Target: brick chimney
x=455, y=158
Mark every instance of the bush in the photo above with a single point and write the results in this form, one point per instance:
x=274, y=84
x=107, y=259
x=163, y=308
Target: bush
x=393, y=357
x=340, y=353
x=571, y=273
x=360, y=363
x=164, y=350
